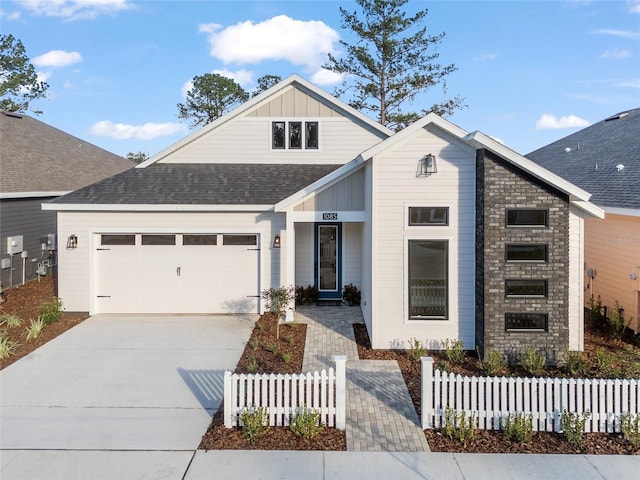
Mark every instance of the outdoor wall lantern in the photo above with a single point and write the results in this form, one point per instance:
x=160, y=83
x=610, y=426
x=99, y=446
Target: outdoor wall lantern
x=276, y=241
x=427, y=165
x=72, y=241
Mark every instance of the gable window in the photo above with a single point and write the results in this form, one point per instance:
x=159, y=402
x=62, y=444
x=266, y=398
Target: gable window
x=525, y=288
x=423, y=216
x=294, y=135
x=428, y=279
x=523, y=217
x=526, y=253
x=526, y=321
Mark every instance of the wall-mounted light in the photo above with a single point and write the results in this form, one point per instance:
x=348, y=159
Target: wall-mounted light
x=276, y=241
x=427, y=165
x=633, y=275
x=72, y=241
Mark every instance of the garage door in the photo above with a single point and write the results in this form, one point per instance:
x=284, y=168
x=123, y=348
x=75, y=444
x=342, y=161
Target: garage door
x=177, y=273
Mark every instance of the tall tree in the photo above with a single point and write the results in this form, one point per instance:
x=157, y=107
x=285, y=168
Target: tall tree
x=391, y=62
x=265, y=83
x=19, y=84
x=137, y=157
x=211, y=96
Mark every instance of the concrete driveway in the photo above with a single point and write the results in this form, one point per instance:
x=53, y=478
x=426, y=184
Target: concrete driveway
x=121, y=383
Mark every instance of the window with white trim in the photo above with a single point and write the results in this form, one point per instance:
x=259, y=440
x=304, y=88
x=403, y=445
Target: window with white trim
x=294, y=135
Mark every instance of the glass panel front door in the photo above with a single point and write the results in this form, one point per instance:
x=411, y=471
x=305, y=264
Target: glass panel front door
x=328, y=260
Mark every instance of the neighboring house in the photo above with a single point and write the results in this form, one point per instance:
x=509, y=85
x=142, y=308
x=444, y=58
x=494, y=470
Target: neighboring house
x=39, y=163
x=448, y=235
x=605, y=160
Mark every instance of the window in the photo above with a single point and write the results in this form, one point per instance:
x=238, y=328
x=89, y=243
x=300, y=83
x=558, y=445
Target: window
x=240, y=240
x=525, y=288
x=519, y=217
x=428, y=279
x=199, y=240
x=292, y=135
x=117, y=239
x=421, y=216
x=526, y=253
x=526, y=321
x=158, y=239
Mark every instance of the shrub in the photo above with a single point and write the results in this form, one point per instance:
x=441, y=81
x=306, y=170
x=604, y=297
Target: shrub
x=277, y=301
x=454, y=349
x=517, y=427
x=10, y=321
x=254, y=344
x=351, y=295
x=287, y=357
x=443, y=366
x=595, y=307
x=416, y=349
x=458, y=427
x=51, y=311
x=7, y=347
x=533, y=361
x=252, y=365
x=34, y=330
x=576, y=363
x=492, y=364
x=573, y=427
x=272, y=347
x=630, y=427
x=306, y=295
x=616, y=321
x=306, y=423
x=255, y=422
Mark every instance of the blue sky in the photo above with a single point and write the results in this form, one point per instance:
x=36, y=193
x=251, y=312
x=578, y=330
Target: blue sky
x=530, y=72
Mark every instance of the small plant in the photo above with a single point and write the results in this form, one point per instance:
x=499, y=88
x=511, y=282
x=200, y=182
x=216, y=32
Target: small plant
x=443, y=366
x=252, y=365
x=254, y=344
x=306, y=295
x=576, y=363
x=492, y=364
x=34, y=330
x=458, y=427
x=306, y=422
x=260, y=326
x=255, y=422
x=630, y=428
x=289, y=339
x=416, y=349
x=604, y=361
x=517, y=427
x=10, y=321
x=51, y=311
x=287, y=357
x=595, y=307
x=351, y=295
x=616, y=320
x=573, y=427
x=454, y=349
x=7, y=347
x=272, y=347
x=533, y=361
x=278, y=299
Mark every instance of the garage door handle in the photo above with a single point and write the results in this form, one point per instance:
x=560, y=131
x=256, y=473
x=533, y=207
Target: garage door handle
x=178, y=271
x=253, y=296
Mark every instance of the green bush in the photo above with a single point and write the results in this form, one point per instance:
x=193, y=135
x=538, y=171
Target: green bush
x=7, y=347
x=595, y=309
x=416, y=349
x=34, y=330
x=255, y=422
x=573, y=427
x=630, y=427
x=533, y=361
x=458, y=427
x=493, y=363
x=576, y=363
x=617, y=322
x=10, y=321
x=517, y=427
x=306, y=423
x=454, y=349
x=51, y=311
x=351, y=295
x=306, y=295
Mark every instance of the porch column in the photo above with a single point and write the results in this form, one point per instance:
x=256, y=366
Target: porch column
x=289, y=267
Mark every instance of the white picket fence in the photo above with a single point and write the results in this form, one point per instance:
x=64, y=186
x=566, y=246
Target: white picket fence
x=492, y=398
x=283, y=394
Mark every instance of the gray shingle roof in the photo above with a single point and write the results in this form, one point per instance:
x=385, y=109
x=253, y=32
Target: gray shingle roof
x=36, y=157
x=201, y=184
x=593, y=159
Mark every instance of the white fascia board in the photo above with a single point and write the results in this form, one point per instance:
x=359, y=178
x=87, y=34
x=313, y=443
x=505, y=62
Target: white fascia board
x=255, y=102
x=480, y=140
x=319, y=184
x=630, y=212
x=85, y=207
x=9, y=195
x=589, y=207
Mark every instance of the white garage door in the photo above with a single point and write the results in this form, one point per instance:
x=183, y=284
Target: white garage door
x=177, y=273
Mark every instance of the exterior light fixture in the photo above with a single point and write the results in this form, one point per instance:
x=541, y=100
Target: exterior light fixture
x=72, y=242
x=427, y=165
x=276, y=241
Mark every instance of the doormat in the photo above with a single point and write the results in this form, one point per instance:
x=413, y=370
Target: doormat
x=329, y=303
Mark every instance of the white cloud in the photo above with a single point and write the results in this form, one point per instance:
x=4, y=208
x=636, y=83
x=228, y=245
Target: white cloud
x=549, y=122
x=634, y=6
x=617, y=33
x=615, y=53
x=326, y=77
x=147, y=131
x=242, y=77
x=634, y=83
x=10, y=15
x=75, y=9
x=57, y=58
x=279, y=38
x=485, y=57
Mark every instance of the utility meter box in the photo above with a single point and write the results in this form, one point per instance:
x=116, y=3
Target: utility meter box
x=48, y=241
x=14, y=244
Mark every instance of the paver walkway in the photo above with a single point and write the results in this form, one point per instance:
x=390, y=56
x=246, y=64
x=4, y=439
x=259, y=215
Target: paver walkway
x=380, y=415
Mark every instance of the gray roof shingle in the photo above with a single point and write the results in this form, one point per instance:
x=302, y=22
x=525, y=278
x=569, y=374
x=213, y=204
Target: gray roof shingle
x=593, y=159
x=201, y=184
x=36, y=157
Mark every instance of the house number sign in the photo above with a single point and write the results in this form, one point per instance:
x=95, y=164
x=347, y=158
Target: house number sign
x=329, y=216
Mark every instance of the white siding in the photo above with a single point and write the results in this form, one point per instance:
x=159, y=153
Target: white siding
x=366, y=253
x=75, y=269
x=395, y=188
x=304, y=254
x=576, y=279
x=352, y=234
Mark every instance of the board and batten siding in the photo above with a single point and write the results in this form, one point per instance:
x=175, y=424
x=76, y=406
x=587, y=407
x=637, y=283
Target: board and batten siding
x=612, y=248
x=294, y=102
x=345, y=195
x=76, y=267
x=395, y=188
x=576, y=279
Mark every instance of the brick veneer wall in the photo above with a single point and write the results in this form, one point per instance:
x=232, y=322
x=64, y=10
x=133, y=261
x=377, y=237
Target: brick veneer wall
x=500, y=186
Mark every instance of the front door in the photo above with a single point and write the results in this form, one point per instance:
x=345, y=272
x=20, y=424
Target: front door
x=328, y=260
